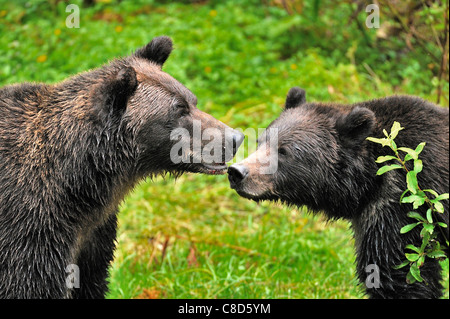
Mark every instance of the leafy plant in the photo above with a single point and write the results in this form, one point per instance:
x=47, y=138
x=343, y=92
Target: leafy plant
x=430, y=247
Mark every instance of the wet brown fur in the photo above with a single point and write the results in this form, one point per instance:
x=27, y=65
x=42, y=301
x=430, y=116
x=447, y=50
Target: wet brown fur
x=69, y=153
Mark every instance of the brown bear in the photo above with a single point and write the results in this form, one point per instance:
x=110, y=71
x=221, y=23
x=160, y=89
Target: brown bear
x=71, y=151
x=321, y=159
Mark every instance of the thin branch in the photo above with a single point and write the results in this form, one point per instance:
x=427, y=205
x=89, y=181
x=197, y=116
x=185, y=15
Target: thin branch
x=410, y=31
x=427, y=200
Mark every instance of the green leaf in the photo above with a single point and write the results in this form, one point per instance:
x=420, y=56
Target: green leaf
x=410, y=278
x=429, y=228
x=418, y=165
x=385, y=133
x=420, y=261
x=388, y=168
x=419, y=202
x=403, y=264
x=432, y=192
x=420, y=147
x=417, y=216
x=393, y=145
x=411, y=181
x=382, y=141
x=442, y=196
x=403, y=194
x=412, y=257
x=415, y=272
x=407, y=158
x=396, y=127
x=436, y=254
x=407, y=228
x=411, y=152
x=415, y=199
x=425, y=239
x=411, y=198
x=412, y=247
x=383, y=159
x=421, y=194
x=443, y=225
x=430, y=215
x=439, y=207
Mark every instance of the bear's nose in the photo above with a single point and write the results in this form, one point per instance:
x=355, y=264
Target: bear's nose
x=236, y=173
x=238, y=138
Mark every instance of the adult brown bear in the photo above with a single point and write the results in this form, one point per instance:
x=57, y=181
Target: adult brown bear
x=70, y=152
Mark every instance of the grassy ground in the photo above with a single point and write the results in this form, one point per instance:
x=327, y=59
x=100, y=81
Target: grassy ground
x=194, y=237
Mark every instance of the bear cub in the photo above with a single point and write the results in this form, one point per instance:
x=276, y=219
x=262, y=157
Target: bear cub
x=325, y=163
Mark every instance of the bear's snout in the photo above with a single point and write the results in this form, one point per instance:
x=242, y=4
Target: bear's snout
x=236, y=173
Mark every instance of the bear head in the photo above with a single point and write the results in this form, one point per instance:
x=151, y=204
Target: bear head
x=164, y=129
x=312, y=155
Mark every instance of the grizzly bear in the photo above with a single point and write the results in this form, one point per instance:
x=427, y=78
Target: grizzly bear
x=71, y=151
x=324, y=162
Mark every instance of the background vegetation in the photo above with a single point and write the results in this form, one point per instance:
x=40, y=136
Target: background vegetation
x=194, y=237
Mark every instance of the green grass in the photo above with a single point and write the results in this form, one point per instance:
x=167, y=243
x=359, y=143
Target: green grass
x=195, y=237
x=220, y=246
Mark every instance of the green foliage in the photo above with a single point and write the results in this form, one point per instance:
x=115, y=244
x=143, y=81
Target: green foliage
x=220, y=246
x=430, y=247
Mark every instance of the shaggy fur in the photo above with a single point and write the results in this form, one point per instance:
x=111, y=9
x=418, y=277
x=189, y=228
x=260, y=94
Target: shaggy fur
x=326, y=164
x=70, y=152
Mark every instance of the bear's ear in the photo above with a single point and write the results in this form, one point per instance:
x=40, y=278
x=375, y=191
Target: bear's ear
x=354, y=127
x=112, y=95
x=295, y=97
x=158, y=50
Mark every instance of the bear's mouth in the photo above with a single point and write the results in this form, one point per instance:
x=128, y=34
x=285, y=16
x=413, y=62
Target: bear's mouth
x=214, y=169
x=257, y=197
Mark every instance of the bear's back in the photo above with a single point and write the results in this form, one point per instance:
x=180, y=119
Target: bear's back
x=422, y=121
x=409, y=111
x=18, y=104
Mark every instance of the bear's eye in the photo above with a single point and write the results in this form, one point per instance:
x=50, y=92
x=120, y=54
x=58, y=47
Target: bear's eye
x=282, y=151
x=182, y=108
